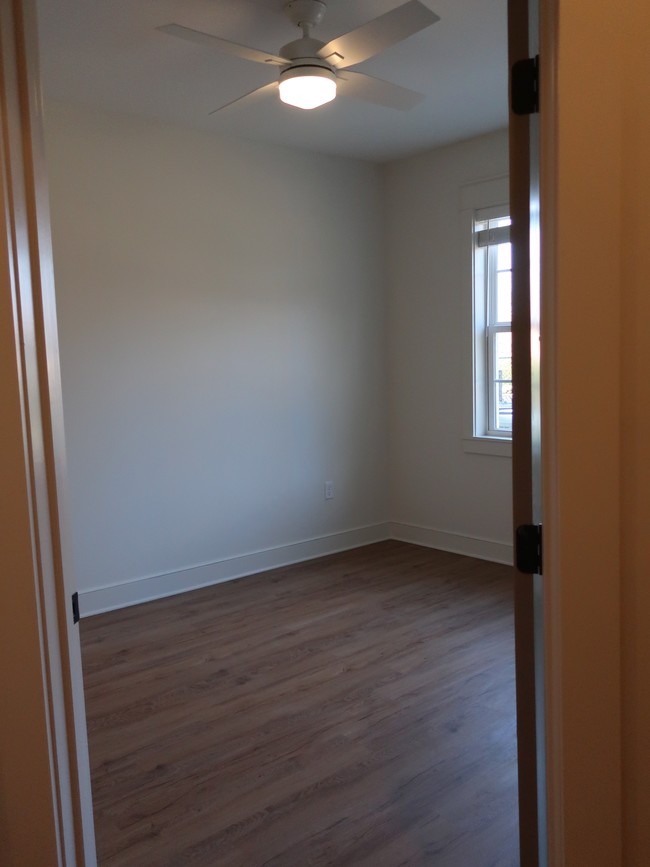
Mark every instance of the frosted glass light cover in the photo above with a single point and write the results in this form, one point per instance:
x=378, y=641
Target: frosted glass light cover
x=307, y=91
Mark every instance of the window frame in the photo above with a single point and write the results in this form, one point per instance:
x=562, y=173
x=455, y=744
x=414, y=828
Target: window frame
x=486, y=294
x=486, y=199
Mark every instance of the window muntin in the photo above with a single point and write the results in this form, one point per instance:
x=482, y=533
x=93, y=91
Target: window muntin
x=492, y=324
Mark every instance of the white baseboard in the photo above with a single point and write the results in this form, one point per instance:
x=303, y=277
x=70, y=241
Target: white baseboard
x=456, y=543
x=136, y=590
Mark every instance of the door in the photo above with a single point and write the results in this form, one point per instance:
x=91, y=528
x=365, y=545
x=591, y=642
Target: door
x=523, y=35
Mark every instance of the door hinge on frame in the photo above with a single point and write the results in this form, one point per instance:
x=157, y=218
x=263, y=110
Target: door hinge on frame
x=75, y=608
x=528, y=549
x=524, y=86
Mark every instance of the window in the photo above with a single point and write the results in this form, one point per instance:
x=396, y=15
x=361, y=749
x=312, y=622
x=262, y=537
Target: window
x=485, y=275
x=492, y=324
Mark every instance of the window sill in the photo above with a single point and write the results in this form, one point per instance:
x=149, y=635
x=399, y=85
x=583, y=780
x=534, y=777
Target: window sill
x=495, y=446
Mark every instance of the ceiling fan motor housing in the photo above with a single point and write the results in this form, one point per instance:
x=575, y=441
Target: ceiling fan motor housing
x=305, y=13
x=299, y=70
x=305, y=49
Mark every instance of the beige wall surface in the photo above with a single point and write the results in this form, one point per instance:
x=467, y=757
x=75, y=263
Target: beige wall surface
x=434, y=483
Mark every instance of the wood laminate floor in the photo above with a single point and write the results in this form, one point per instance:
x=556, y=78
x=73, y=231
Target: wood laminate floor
x=354, y=710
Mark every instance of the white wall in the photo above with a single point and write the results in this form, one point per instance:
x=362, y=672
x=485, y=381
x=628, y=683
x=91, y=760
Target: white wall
x=225, y=350
x=440, y=495
x=222, y=324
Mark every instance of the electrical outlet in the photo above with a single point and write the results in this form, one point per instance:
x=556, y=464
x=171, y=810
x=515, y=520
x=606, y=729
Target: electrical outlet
x=329, y=490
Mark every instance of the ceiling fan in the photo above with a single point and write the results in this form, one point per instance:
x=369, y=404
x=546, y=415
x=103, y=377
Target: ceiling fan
x=311, y=71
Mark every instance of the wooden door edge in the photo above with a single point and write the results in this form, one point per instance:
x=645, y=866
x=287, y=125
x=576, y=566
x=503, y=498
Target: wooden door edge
x=552, y=632
x=571, y=827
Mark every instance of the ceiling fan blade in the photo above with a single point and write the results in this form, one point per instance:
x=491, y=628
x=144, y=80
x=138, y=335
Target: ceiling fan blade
x=250, y=96
x=378, y=34
x=211, y=41
x=361, y=86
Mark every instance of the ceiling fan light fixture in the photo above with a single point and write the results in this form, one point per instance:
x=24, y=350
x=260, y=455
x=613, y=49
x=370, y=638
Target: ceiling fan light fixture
x=307, y=86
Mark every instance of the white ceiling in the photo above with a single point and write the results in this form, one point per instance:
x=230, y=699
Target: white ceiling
x=109, y=53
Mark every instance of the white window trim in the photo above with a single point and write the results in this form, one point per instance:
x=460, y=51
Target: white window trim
x=490, y=326
x=478, y=196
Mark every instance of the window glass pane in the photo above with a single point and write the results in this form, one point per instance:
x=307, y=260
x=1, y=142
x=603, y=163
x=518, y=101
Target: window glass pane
x=504, y=296
x=503, y=380
x=503, y=257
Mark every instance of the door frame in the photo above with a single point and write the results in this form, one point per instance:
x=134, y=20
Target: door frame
x=44, y=740
x=45, y=797
x=524, y=170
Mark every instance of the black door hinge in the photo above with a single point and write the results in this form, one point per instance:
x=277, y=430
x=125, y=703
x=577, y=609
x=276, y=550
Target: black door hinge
x=524, y=86
x=75, y=608
x=528, y=549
